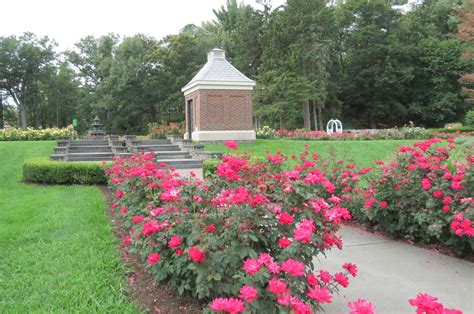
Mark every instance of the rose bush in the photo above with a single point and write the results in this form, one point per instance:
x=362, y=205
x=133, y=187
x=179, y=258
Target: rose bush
x=247, y=237
x=408, y=132
x=422, y=195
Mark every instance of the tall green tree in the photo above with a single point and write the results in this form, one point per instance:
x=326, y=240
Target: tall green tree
x=298, y=41
x=370, y=78
x=25, y=62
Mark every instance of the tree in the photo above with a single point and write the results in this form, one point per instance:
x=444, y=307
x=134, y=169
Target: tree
x=25, y=62
x=240, y=28
x=465, y=34
x=61, y=93
x=92, y=59
x=370, y=78
x=296, y=62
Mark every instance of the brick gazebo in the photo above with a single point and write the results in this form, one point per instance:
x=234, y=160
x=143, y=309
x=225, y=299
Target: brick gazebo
x=219, y=102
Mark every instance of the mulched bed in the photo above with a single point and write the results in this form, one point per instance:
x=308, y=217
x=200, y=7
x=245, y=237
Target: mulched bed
x=152, y=297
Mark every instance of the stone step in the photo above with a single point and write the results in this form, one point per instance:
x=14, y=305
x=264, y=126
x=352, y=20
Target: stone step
x=96, y=154
x=172, y=155
x=89, y=149
x=155, y=148
x=181, y=163
x=155, y=142
x=75, y=159
x=57, y=156
x=104, y=143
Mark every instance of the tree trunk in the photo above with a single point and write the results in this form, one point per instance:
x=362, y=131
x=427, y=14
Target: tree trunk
x=22, y=110
x=320, y=116
x=315, y=117
x=372, y=121
x=306, y=115
x=282, y=121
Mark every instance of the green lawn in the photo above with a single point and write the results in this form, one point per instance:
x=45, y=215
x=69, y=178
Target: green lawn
x=364, y=153
x=57, y=249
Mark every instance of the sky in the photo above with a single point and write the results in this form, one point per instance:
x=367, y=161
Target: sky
x=67, y=21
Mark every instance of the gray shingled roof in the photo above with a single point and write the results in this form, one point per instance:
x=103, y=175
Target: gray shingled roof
x=218, y=69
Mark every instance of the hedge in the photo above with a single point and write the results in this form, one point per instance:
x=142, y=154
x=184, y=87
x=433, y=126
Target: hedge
x=43, y=170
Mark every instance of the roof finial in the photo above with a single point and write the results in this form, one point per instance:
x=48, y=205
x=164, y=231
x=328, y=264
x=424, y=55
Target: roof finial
x=216, y=53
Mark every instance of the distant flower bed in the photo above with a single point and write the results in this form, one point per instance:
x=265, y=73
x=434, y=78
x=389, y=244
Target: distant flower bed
x=376, y=134
x=29, y=134
x=159, y=131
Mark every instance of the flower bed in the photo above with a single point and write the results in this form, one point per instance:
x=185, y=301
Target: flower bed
x=246, y=238
x=382, y=134
x=159, y=131
x=13, y=134
x=422, y=196
x=249, y=233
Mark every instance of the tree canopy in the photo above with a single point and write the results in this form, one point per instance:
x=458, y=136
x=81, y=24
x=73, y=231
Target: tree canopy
x=364, y=62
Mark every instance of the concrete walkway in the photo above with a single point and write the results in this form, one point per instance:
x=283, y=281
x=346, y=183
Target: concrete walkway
x=391, y=272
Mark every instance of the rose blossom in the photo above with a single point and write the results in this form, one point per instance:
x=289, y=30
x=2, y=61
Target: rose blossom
x=285, y=219
x=210, y=228
x=284, y=243
x=231, y=144
x=248, y=293
x=251, y=266
x=174, y=241
x=228, y=305
x=293, y=268
x=341, y=279
x=264, y=259
x=196, y=255
x=351, y=268
x=153, y=258
x=361, y=307
x=276, y=286
x=322, y=295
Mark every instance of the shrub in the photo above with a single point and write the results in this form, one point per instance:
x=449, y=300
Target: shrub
x=209, y=167
x=13, y=134
x=265, y=132
x=411, y=131
x=250, y=232
x=469, y=120
x=422, y=196
x=159, y=131
x=43, y=170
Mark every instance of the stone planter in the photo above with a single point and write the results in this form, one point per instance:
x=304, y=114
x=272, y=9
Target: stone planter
x=174, y=138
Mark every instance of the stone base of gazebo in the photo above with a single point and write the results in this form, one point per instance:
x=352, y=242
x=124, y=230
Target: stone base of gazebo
x=215, y=136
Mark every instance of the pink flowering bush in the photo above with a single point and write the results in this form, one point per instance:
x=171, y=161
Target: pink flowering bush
x=409, y=132
x=247, y=237
x=427, y=304
x=422, y=195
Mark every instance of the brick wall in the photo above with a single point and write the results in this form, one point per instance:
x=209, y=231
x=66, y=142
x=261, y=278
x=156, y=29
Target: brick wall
x=226, y=110
x=221, y=110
